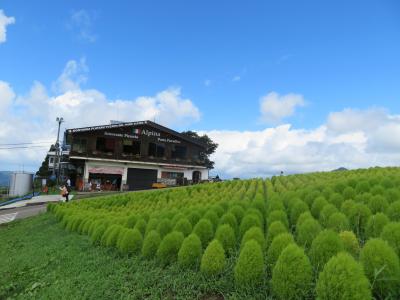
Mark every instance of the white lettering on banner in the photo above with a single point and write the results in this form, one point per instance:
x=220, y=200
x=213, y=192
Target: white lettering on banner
x=146, y=132
x=167, y=140
x=106, y=126
x=122, y=135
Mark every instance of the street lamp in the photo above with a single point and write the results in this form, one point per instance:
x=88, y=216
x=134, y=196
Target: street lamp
x=59, y=121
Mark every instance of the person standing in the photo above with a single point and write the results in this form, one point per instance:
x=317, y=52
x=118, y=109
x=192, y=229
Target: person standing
x=64, y=192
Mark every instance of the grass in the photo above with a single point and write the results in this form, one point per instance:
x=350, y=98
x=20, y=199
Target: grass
x=40, y=260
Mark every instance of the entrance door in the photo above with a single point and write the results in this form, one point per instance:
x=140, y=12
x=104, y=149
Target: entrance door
x=141, y=179
x=196, y=176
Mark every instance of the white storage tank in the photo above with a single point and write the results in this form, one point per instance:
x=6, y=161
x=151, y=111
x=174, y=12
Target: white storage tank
x=20, y=183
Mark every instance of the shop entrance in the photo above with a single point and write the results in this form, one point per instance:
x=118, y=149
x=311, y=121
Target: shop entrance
x=141, y=179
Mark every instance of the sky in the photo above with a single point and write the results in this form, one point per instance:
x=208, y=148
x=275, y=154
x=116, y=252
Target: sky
x=293, y=86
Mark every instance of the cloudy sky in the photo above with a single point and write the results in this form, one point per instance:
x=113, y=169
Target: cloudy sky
x=293, y=86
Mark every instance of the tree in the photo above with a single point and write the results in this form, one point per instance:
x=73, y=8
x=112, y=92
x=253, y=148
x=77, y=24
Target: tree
x=44, y=168
x=210, y=147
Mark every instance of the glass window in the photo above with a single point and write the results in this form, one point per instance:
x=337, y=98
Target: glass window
x=131, y=147
x=105, y=144
x=156, y=150
x=171, y=175
x=178, y=152
x=79, y=145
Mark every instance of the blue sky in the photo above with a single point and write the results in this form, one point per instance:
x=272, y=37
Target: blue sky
x=223, y=55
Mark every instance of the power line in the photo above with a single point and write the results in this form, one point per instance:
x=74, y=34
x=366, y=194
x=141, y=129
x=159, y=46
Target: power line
x=27, y=143
x=23, y=147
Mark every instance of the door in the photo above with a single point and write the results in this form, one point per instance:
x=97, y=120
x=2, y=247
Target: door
x=141, y=179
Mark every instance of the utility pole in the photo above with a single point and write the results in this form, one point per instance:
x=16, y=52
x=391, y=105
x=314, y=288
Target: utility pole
x=58, y=156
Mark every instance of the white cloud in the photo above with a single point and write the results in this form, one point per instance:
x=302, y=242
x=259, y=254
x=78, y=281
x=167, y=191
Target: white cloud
x=327, y=147
x=207, y=82
x=274, y=107
x=236, y=78
x=4, y=22
x=81, y=22
x=31, y=117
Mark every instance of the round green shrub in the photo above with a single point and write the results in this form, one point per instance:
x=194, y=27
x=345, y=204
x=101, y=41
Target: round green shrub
x=229, y=219
x=152, y=225
x=393, y=211
x=362, y=187
x=238, y=212
x=130, y=241
x=338, y=222
x=336, y=199
x=141, y=225
x=375, y=225
x=248, y=221
x=274, y=204
x=304, y=216
x=218, y=209
x=169, y=247
x=278, y=215
x=86, y=226
x=377, y=190
x=131, y=221
x=254, y=233
x=183, y=225
x=249, y=268
x=317, y=206
x=151, y=244
x=307, y=232
x=350, y=243
x=204, y=230
x=349, y=193
x=110, y=236
x=194, y=217
x=347, y=206
x=326, y=212
x=213, y=217
x=324, y=246
x=189, y=254
x=213, y=260
x=97, y=233
x=298, y=208
x=359, y=216
x=164, y=227
x=292, y=274
x=392, y=195
x=378, y=203
x=279, y=243
x=381, y=265
x=274, y=230
x=391, y=234
x=341, y=279
x=227, y=238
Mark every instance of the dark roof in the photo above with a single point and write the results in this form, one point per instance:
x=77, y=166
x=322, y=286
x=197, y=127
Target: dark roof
x=148, y=123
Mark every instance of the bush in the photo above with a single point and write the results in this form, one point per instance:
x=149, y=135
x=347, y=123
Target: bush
x=213, y=260
x=248, y=221
x=97, y=233
x=279, y=243
x=168, y=251
x=326, y=212
x=164, y=227
x=298, y=208
x=359, y=216
x=254, y=233
x=375, y=225
x=304, y=216
x=204, y=230
x=194, y=217
x=342, y=278
x=130, y=241
x=325, y=245
x=152, y=225
x=189, y=254
x=110, y=236
x=317, y=206
x=347, y=206
x=336, y=199
x=381, y=265
x=349, y=193
x=274, y=230
x=391, y=234
x=378, y=203
x=227, y=238
x=183, y=225
x=229, y=219
x=141, y=226
x=338, y=222
x=278, y=215
x=394, y=211
x=238, y=212
x=350, y=243
x=131, y=221
x=151, y=244
x=213, y=217
x=307, y=232
x=249, y=268
x=292, y=274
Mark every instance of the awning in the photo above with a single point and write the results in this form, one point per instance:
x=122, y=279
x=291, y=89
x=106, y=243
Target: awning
x=106, y=170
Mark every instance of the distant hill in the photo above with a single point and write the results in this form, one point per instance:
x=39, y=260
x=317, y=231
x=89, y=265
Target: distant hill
x=4, y=177
x=340, y=169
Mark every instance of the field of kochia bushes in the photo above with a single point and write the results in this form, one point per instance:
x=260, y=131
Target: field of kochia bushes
x=329, y=235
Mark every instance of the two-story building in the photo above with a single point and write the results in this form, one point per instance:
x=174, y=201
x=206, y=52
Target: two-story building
x=132, y=156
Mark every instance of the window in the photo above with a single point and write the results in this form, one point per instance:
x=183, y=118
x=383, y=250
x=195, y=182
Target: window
x=51, y=160
x=131, y=147
x=79, y=145
x=105, y=144
x=178, y=152
x=156, y=150
x=171, y=175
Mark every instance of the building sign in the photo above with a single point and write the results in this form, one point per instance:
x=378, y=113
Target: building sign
x=106, y=127
x=121, y=135
x=146, y=132
x=167, y=140
x=106, y=170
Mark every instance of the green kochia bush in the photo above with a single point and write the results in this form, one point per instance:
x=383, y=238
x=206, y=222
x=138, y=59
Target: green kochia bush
x=341, y=279
x=213, y=260
x=278, y=215
x=325, y=245
x=298, y=208
x=189, y=254
x=164, y=227
x=382, y=268
x=249, y=269
x=141, y=225
x=292, y=274
x=227, y=238
x=150, y=244
x=391, y=234
x=204, y=230
x=377, y=204
x=168, y=251
x=338, y=222
x=274, y=230
x=394, y=211
x=375, y=225
x=307, y=232
x=97, y=233
x=350, y=243
x=110, y=236
x=248, y=221
x=317, y=206
x=238, y=212
x=229, y=219
x=359, y=215
x=279, y=243
x=130, y=241
x=254, y=233
x=183, y=225
x=325, y=214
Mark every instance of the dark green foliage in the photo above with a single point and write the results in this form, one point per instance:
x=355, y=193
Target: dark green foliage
x=213, y=217
x=152, y=225
x=326, y=212
x=347, y=207
x=183, y=225
x=194, y=217
x=248, y=221
x=378, y=203
x=359, y=216
x=341, y=279
x=325, y=245
x=278, y=215
x=167, y=253
x=141, y=226
x=338, y=222
x=307, y=232
x=381, y=265
x=204, y=230
x=151, y=244
x=213, y=261
x=292, y=275
x=350, y=243
x=317, y=206
x=130, y=241
x=349, y=193
x=274, y=230
x=131, y=221
x=110, y=236
x=249, y=269
x=392, y=195
x=164, y=227
x=97, y=233
x=279, y=243
x=189, y=254
x=298, y=208
x=377, y=190
x=375, y=225
x=362, y=187
x=227, y=238
x=391, y=234
x=274, y=204
x=238, y=212
x=304, y=216
x=254, y=233
x=394, y=211
x=229, y=219
x=336, y=199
